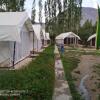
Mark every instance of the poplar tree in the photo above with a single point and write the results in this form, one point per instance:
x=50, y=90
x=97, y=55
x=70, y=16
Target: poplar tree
x=12, y=5
x=33, y=12
x=40, y=11
x=63, y=18
x=60, y=17
x=46, y=16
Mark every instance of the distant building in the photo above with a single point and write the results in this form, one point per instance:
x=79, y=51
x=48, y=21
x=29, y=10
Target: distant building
x=68, y=38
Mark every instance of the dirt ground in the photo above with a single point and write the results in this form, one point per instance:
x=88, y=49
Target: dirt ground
x=86, y=66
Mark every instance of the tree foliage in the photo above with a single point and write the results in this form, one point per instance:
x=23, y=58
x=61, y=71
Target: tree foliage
x=86, y=31
x=12, y=5
x=33, y=12
x=63, y=17
x=40, y=10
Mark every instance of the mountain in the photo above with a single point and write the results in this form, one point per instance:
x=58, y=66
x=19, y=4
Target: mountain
x=89, y=14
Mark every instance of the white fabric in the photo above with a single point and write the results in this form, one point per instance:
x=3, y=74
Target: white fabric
x=23, y=49
x=15, y=27
x=65, y=35
x=60, y=41
x=4, y=51
x=37, y=45
x=91, y=37
x=11, y=24
x=39, y=35
x=47, y=36
x=37, y=31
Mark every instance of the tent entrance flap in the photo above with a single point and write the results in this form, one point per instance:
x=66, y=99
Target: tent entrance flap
x=4, y=54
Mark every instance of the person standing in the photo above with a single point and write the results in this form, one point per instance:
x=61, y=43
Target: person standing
x=62, y=49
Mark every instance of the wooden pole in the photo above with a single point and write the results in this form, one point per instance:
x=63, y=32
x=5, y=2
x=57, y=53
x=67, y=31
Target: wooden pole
x=33, y=42
x=14, y=52
x=37, y=45
x=75, y=40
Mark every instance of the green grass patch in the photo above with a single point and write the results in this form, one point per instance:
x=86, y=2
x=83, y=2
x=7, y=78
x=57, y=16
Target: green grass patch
x=70, y=62
x=36, y=79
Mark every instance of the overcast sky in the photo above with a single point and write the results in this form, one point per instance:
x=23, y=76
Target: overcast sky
x=86, y=3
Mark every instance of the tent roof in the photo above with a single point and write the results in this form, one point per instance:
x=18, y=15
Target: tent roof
x=12, y=18
x=11, y=24
x=65, y=35
x=91, y=37
x=37, y=30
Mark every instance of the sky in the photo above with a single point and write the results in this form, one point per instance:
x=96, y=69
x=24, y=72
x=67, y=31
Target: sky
x=28, y=6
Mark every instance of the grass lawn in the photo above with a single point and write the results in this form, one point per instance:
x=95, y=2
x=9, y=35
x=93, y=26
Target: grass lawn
x=70, y=62
x=37, y=78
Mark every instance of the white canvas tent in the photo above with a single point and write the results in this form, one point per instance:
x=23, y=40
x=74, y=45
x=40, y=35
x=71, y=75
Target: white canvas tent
x=92, y=40
x=67, y=38
x=16, y=37
x=38, y=37
x=47, y=39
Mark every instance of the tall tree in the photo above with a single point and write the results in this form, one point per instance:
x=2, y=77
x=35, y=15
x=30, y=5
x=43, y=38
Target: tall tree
x=60, y=17
x=40, y=10
x=63, y=17
x=46, y=16
x=72, y=14
x=33, y=12
x=12, y=5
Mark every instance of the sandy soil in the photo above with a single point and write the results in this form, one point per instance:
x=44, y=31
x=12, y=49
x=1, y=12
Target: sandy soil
x=86, y=66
